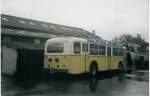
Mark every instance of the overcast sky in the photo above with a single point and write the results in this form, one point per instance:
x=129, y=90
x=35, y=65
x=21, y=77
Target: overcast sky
x=108, y=18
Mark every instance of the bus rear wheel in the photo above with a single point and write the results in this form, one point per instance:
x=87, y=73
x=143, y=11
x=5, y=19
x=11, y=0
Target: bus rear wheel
x=93, y=70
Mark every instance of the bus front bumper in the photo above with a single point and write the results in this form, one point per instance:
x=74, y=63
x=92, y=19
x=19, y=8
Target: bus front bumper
x=52, y=70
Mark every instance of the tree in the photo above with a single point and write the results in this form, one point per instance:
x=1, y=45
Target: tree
x=124, y=38
x=128, y=38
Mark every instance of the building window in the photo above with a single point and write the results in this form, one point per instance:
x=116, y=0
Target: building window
x=102, y=50
x=4, y=18
x=21, y=21
x=23, y=39
x=52, y=26
x=45, y=25
x=31, y=23
x=69, y=29
x=93, y=49
x=37, y=41
x=7, y=38
x=77, y=47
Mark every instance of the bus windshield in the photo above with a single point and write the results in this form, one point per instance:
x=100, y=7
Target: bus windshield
x=55, y=48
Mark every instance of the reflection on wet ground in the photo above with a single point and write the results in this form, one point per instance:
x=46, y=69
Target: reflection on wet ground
x=113, y=85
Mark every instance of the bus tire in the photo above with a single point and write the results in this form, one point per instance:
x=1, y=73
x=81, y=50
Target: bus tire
x=93, y=69
x=120, y=68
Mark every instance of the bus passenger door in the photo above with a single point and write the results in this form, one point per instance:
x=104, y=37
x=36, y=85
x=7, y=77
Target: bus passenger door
x=109, y=57
x=84, y=57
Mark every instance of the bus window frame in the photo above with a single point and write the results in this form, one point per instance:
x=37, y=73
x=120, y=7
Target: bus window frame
x=87, y=51
x=73, y=47
x=56, y=52
x=45, y=49
x=105, y=50
x=117, y=51
x=111, y=49
x=90, y=50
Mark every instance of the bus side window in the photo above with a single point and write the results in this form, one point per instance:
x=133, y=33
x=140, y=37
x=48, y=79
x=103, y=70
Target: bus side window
x=115, y=51
x=77, y=47
x=93, y=49
x=102, y=50
x=108, y=51
x=120, y=51
x=85, y=47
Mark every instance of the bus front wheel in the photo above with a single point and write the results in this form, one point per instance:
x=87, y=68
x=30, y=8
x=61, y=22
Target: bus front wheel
x=93, y=70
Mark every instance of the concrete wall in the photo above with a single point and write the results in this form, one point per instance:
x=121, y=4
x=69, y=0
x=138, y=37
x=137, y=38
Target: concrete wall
x=9, y=60
x=22, y=62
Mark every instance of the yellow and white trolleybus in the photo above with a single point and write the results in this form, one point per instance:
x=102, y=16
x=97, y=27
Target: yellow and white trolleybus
x=76, y=55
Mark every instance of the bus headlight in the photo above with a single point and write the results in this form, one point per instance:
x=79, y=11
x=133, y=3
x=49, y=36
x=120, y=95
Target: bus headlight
x=50, y=59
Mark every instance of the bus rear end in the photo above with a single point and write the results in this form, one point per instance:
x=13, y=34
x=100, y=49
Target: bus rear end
x=55, y=57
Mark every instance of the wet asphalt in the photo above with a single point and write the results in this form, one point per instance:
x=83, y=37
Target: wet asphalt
x=64, y=85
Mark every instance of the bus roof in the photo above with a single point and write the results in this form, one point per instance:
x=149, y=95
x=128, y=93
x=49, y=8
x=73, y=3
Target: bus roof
x=91, y=41
x=66, y=38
